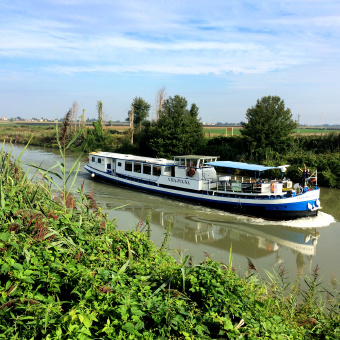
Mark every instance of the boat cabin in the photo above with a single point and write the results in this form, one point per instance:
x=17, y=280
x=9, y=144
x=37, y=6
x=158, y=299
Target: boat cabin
x=185, y=172
x=188, y=165
x=189, y=172
x=129, y=165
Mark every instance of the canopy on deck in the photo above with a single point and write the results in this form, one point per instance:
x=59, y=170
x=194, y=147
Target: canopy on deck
x=242, y=166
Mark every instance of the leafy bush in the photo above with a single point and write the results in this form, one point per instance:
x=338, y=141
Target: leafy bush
x=66, y=272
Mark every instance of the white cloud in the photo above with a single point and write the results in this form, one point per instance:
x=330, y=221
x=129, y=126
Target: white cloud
x=171, y=38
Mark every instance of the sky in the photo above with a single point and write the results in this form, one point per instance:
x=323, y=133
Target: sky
x=221, y=55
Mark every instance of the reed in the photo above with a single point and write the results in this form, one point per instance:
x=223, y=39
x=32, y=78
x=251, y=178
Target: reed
x=66, y=272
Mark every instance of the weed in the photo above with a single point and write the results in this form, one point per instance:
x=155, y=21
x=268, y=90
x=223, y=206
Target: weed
x=66, y=272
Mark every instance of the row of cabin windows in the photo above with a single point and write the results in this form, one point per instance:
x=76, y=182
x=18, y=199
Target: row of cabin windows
x=193, y=162
x=99, y=160
x=146, y=169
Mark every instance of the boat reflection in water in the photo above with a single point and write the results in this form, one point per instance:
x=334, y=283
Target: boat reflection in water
x=248, y=239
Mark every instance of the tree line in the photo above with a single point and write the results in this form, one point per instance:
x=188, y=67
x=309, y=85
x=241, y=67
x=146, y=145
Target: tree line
x=266, y=137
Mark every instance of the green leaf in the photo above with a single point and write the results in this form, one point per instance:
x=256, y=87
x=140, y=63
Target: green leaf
x=87, y=322
x=18, y=266
x=44, y=172
x=50, y=179
x=58, y=141
x=161, y=287
x=136, y=311
x=84, y=331
x=183, y=278
x=29, y=272
x=5, y=268
x=2, y=198
x=73, y=139
x=129, y=327
x=88, y=294
x=5, y=236
x=75, y=176
x=27, y=279
x=129, y=249
x=123, y=268
x=230, y=267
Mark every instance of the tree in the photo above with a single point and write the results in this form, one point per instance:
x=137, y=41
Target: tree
x=269, y=127
x=74, y=116
x=160, y=97
x=141, y=111
x=98, y=126
x=94, y=137
x=82, y=120
x=131, y=121
x=178, y=130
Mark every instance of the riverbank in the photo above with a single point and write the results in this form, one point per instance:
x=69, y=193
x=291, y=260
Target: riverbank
x=319, y=152
x=67, y=272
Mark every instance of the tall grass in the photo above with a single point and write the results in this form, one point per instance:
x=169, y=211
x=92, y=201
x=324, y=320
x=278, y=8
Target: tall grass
x=66, y=272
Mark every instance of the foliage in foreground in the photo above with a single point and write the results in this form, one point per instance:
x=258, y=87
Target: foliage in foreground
x=66, y=272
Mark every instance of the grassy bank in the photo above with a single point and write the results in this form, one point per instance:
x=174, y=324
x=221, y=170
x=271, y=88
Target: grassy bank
x=321, y=152
x=39, y=135
x=66, y=272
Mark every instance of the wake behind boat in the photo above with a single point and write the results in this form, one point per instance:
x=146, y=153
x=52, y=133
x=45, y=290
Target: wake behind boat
x=207, y=181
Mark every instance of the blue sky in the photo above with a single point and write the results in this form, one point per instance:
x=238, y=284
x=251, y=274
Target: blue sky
x=220, y=55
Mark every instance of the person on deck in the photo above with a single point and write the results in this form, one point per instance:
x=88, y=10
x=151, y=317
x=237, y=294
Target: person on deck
x=304, y=176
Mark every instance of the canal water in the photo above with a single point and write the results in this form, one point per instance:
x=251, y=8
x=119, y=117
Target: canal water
x=298, y=246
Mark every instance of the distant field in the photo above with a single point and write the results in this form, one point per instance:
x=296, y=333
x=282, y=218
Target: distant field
x=119, y=128
x=224, y=131
x=221, y=131
x=313, y=131
x=210, y=131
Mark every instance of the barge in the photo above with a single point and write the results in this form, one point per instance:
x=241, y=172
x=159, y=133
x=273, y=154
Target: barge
x=208, y=181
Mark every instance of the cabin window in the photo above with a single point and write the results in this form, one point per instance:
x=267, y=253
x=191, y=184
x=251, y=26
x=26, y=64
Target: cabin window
x=182, y=162
x=99, y=160
x=147, y=169
x=108, y=167
x=119, y=164
x=156, y=170
x=137, y=167
x=128, y=166
x=167, y=170
x=93, y=159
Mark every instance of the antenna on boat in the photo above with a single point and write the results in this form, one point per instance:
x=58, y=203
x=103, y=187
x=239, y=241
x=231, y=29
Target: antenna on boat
x=283, y=169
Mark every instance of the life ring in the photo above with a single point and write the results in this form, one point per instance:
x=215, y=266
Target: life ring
x=272, y=187
x=192, y=172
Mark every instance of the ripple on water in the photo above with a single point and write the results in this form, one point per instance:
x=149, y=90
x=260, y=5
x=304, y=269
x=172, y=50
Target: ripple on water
x=320, y=221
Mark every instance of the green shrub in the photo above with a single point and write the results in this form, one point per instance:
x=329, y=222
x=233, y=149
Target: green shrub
x=66, y=272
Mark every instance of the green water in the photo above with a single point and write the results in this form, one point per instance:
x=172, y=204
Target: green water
x=297, y=245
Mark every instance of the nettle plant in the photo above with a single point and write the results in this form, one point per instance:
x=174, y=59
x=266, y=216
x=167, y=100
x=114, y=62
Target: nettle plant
x=67, y=272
